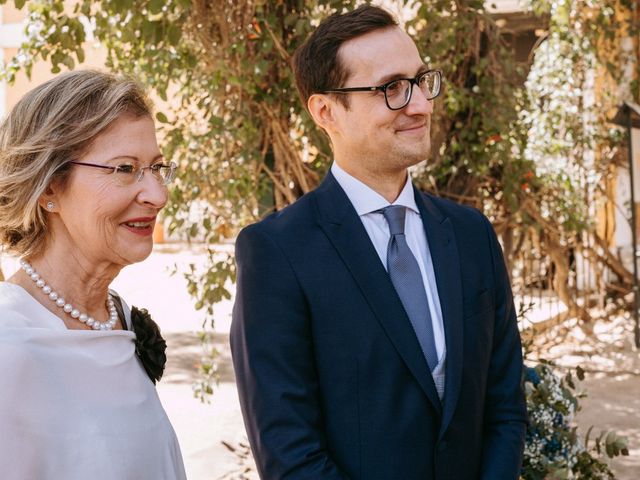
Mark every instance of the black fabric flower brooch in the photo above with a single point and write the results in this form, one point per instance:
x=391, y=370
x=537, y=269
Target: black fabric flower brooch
x=150, y=346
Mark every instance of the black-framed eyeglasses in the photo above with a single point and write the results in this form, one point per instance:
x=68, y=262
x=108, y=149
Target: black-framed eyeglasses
x=127, y=173
x=397, y=93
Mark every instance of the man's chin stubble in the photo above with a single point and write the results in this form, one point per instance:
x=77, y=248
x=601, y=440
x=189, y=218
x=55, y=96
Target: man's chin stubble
x=410, y=158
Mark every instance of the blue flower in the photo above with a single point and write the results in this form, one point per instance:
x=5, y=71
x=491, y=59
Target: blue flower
x=558, y=419
x=531, y=375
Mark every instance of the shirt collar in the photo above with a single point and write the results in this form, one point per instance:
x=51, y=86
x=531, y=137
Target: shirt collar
x=366, y=200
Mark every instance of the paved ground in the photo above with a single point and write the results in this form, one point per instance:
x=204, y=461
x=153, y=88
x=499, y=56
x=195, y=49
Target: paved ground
x=209, y=432
x=613, y=403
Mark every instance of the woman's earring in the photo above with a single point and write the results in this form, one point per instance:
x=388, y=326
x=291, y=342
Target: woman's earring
x=50, y=205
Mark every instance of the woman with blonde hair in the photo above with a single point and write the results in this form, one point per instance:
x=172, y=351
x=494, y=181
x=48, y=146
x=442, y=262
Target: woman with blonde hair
x=81, y=183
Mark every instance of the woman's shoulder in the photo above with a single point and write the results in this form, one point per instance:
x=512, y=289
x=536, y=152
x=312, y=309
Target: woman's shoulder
x=17, y=307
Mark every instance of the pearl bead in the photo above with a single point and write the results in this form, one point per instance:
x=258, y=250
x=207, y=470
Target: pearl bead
x=67, y=307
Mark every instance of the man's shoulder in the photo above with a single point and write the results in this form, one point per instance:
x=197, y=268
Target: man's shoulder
x=455, y=211
x=293, y=218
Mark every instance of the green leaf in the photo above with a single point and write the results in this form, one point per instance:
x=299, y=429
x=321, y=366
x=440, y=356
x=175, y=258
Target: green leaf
x=161, y=117
x=68, y=62
x=155, y=6
x=174, y=34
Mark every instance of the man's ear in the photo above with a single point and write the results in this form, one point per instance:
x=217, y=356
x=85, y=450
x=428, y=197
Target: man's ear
x=323, y=110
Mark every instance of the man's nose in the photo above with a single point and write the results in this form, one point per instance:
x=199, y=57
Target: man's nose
x=418, y=103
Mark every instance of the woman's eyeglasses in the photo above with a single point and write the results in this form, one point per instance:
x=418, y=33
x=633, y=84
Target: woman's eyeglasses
x=127, y=173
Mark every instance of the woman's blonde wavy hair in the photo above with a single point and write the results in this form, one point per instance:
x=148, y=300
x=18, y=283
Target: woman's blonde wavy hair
x=51, y=125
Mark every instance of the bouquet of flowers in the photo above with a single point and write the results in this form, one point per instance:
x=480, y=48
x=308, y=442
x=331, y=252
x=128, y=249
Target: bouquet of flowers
x=553, y=449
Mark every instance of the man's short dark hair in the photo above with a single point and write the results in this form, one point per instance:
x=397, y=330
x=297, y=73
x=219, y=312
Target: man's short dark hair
x=316, y=64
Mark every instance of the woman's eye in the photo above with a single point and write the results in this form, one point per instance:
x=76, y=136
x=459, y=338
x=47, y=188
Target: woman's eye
x=125, y=168
x=156, y=167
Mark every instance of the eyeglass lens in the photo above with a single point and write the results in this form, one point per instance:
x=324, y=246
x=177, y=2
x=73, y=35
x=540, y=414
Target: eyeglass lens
x=398, y=93
x=127, y=174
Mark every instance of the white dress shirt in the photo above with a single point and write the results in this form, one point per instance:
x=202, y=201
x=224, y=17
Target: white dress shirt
x=367, y=204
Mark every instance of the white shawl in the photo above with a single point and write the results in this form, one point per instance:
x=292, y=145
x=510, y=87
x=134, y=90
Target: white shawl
x=76, y=404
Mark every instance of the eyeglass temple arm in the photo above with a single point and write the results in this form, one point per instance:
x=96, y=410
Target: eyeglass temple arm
x=351, y=89
x=86, y=164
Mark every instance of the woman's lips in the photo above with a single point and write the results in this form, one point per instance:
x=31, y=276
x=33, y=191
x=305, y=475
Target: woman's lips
x=140, y=226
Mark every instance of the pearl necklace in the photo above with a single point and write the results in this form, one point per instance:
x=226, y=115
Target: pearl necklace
x=67, y=307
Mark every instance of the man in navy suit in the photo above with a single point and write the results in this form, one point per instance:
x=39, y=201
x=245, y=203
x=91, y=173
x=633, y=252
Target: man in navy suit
x=374, y=335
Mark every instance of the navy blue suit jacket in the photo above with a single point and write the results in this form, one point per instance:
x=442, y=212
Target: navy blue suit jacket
x=332, y=381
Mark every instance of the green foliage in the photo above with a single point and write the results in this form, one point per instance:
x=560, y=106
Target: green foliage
x=566, y=124
x=53, y=37
x=472, y=157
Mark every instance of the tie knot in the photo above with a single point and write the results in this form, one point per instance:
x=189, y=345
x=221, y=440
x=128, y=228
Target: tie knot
x=395, y=218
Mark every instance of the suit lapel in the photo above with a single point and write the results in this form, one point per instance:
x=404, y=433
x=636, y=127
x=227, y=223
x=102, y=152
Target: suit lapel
x=340, y=222
x=446, y=265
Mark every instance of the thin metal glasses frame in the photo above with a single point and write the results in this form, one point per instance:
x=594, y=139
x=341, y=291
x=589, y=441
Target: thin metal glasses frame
x=139, y=173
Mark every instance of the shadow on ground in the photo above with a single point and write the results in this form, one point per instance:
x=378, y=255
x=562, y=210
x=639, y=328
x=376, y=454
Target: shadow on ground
x=184, y=354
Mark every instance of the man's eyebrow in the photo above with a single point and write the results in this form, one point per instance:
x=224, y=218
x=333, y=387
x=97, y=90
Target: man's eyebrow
x=394, y=76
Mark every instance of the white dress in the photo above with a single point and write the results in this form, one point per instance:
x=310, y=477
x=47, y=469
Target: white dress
x=76, y=404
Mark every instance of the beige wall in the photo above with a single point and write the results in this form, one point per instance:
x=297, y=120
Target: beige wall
x=11, y=15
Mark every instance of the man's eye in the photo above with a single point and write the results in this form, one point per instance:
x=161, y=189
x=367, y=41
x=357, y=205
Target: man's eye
x=394, y=88
x=125, y=168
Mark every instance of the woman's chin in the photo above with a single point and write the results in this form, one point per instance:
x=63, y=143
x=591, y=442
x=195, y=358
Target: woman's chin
x=137, y=254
